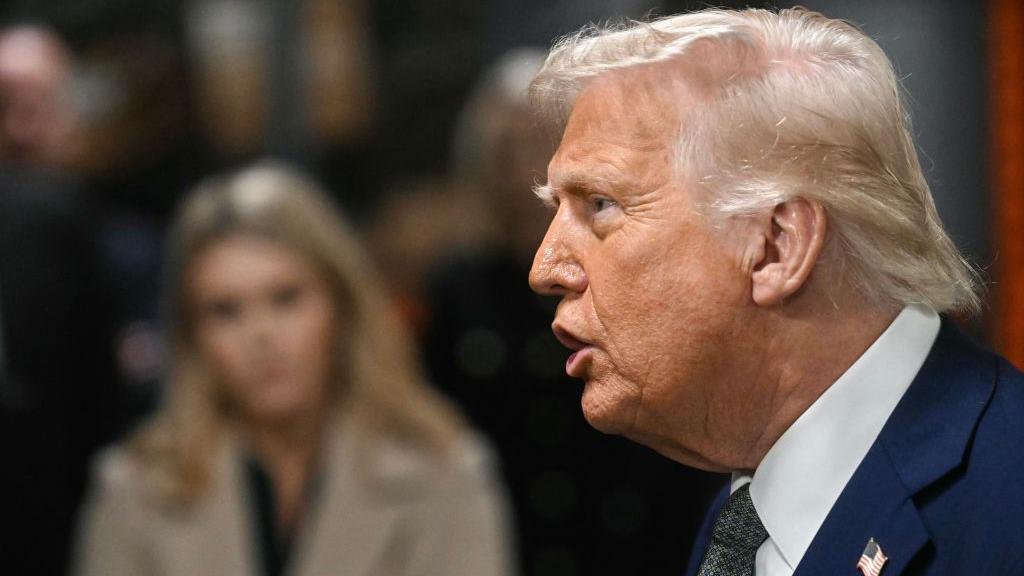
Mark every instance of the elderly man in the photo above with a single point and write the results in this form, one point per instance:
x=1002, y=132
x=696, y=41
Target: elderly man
x=36, y=116
x=751, y=271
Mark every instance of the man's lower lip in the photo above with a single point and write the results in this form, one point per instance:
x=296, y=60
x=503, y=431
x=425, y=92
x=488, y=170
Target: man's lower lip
x=574, y=364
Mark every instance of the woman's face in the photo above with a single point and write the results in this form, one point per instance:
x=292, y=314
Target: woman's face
x=265, y=323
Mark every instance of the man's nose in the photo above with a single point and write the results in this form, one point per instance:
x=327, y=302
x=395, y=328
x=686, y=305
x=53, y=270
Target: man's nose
x=557, y=270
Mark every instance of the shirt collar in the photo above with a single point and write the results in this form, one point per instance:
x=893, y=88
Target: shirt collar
x=802, y=475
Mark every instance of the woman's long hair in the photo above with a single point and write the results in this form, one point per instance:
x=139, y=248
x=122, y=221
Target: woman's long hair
x=378, y=381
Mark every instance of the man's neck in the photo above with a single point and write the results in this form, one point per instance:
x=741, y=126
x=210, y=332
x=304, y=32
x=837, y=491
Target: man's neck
x=807, y=354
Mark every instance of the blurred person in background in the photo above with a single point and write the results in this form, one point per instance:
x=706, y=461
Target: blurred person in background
x=297, y=434
x=488, y=344
x=140, y=150
x=36, y=115
x=55, y=366
x=417, y=225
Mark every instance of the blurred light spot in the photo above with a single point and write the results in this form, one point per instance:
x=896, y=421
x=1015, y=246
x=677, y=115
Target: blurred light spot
x=624, y=511
x=226, y=25
x=548, y=421
x=554, y=561
x=97, y=94
x=481, y=352
x=553, y=495
x=543, y=356
x=140, y=353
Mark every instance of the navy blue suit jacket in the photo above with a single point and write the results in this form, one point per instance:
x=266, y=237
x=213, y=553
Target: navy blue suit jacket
x=942, y=488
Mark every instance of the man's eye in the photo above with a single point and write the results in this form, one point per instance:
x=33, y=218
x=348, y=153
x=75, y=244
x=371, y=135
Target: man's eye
x=601, y=203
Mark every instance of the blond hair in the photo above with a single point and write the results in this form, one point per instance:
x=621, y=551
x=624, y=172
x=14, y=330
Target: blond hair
x=796, y=105
x=379, y=384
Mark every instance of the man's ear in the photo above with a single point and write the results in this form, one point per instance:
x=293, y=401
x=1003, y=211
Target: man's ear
x=792, y=241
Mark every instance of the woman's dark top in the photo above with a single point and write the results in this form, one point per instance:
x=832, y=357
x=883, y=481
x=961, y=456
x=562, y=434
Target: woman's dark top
x=274, y=546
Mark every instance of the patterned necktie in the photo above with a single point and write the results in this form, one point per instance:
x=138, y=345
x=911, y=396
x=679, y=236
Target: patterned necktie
x=737, y=535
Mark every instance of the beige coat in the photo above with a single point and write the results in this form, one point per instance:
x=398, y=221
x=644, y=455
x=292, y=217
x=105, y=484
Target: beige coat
x=399, y=513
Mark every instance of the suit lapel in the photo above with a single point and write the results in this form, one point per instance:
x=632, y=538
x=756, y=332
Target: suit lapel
x=875, y=504
x=925, y=438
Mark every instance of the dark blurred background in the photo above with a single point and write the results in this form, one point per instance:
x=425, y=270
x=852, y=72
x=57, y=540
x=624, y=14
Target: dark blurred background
x=412, y=113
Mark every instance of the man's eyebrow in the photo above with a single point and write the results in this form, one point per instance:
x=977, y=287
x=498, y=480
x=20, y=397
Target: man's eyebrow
x=580, y=182
x=573, y=183
x=546, y=194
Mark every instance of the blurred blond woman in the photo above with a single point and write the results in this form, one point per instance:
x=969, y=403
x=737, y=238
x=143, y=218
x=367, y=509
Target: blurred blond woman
x=298, y=436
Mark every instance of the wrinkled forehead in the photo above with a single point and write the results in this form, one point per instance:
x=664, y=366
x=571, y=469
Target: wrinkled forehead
x=628, y=113
x=646, y=102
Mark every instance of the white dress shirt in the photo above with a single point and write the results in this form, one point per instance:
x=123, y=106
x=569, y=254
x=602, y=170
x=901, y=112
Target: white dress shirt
x=802, y=475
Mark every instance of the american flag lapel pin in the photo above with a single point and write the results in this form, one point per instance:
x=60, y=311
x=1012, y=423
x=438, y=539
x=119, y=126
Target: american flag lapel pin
x=872, y=560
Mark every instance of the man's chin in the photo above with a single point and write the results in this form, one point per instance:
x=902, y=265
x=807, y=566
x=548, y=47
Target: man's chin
x=606, y=412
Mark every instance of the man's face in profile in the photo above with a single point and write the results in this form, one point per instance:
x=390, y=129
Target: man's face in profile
x=651, y=293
